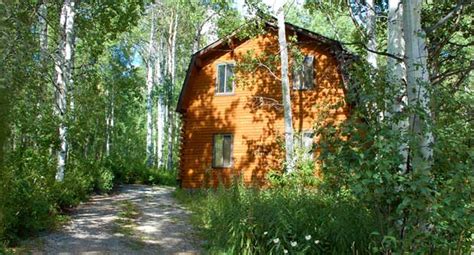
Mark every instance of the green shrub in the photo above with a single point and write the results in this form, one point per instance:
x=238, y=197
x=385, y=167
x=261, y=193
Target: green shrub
x=26, y=202
x=76, y=186
x=105, y=180
x=302, y=177
x=136, y=171
x=161, y=177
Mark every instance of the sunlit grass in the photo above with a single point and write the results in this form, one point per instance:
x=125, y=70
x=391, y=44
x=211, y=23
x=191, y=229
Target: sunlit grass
x=125, y=224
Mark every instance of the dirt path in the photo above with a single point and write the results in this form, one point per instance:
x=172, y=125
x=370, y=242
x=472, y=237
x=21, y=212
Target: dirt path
x=138, y=220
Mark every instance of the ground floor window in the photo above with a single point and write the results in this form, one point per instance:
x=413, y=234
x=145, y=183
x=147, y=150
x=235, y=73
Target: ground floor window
x=305, y=145
x=222, y=150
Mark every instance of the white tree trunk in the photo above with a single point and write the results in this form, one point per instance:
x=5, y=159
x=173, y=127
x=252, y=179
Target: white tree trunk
x=396, y=77
x=173, y=49
x=149, y=90
x=160, y=111
x=371, y=29
x=417, y=83
x=109, y=121
x=43, y=56
x=63, y=67
x=285, y=85
x=160, y=128
x=43, y=29
x=209, y=29
x=175, y=134
x=172, y=71
x=196, y=41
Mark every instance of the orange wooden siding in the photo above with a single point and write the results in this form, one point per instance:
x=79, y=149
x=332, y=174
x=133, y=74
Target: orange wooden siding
x=256, y=130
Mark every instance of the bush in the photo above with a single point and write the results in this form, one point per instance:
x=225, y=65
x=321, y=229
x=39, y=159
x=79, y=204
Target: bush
x=161, y=177
x=105, y=180
x=26, y=203
x=136, y=171
x=302, y=178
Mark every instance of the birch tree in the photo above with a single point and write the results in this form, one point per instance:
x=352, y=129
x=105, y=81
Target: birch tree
x=109, y=119
x=149, y=89
x=63, y=68
x=396, y=77
x=417, y=85
x=371, y=36
x=43, y=29
x=160, y=108
x=364, y=17
x=202, y=29
x=173, y=27
x=285, y=86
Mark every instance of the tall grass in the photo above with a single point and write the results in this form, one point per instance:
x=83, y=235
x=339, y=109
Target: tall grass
x=243, y=220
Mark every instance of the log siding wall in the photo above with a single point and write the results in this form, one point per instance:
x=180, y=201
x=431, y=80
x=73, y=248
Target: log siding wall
x=257, y=130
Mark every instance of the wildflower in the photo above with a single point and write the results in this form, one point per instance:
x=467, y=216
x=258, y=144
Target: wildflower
x=308, y=237
x=276, y=240
x=285, y=251
x=316, y=241
x=293, y=244
x=265, y=233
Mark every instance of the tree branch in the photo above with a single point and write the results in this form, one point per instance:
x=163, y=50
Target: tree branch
x=441, y=77
x=448, y=16
x=383, y=53
x=260, y=64
x=261, y=101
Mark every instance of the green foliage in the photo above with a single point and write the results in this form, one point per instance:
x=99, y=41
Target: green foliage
x=105, y=180
x=28, y=206
x=138, y=172
x=362, y=203
x=30, y=198
x=424, y=211
x=302, y=178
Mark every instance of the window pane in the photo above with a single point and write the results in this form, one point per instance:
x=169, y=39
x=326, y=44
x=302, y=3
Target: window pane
x=308, y=68
x=307, y=143
x=308, y=140
x=221, y=78
x=296, y=73
x=218, y=158
x=230, y=78
x=227, y=150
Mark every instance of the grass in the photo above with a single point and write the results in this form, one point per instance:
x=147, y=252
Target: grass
x=251, y=221
x=125, y=224
x=60, y=221
x=194, y=202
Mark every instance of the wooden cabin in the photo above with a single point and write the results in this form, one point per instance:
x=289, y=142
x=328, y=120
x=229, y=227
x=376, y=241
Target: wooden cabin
x=231, y=108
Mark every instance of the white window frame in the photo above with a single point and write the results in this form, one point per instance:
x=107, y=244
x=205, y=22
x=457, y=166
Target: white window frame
x=301, y=73
x=231, y=149
x=225, y=64
x=309, y=150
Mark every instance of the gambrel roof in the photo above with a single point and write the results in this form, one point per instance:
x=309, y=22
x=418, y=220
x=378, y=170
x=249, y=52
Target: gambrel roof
x=342, y=55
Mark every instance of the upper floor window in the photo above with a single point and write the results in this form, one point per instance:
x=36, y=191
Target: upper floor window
x=303, y=75
x=225, y=78
x=222, y=150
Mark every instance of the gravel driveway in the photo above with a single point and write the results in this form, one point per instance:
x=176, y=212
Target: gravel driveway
x=137, y=220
